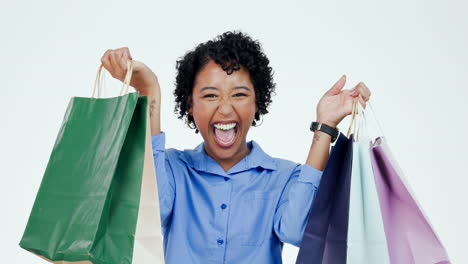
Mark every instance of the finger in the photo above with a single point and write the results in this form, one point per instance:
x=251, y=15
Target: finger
x=348, y=92
x=349, y=105
x=338, y=86
x=128, y=56
x=118, y=70
x=362, y=101
x=123, y=58
x=105, y=59
x=105, y=56
x=366, y=91
x=361, y=89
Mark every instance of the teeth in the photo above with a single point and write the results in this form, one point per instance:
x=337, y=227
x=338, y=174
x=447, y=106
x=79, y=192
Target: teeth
x=225, y=126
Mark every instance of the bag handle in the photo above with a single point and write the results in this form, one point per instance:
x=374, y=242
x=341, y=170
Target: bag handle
x=354, y=113
x=125, y=84
x=359, y=123
x=379, y=126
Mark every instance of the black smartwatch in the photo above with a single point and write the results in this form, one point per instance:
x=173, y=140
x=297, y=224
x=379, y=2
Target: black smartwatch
x=332, y=131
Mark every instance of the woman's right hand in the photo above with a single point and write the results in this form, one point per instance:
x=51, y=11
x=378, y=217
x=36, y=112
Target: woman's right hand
x=143, y=79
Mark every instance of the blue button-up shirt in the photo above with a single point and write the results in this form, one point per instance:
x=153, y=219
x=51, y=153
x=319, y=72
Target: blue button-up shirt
x=243, y=215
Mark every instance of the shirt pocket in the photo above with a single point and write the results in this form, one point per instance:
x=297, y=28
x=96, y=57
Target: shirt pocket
x=258, y=217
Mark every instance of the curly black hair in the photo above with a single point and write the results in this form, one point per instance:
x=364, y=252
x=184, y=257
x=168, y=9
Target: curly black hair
x=230, y=50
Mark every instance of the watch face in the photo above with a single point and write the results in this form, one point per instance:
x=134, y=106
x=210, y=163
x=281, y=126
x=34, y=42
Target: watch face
x=313, y=126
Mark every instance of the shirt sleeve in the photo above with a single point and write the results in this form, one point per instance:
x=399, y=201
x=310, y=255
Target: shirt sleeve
x=164, y=177
x=293, y=208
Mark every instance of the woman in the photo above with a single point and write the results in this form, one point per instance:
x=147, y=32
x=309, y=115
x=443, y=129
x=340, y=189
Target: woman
x=227, y=201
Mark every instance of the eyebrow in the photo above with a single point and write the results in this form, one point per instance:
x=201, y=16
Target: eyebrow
x=214, y=88
x=208, y=88
x=242, y=87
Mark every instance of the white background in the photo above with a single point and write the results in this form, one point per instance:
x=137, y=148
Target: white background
x=412, y=54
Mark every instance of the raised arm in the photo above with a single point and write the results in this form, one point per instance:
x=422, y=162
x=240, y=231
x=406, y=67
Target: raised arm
x=143, y=80
x=290, y=217
x=335, y=105
x=146, y=82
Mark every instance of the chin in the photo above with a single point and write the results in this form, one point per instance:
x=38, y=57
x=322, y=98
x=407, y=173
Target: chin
x=223, y=154
x=225, y=150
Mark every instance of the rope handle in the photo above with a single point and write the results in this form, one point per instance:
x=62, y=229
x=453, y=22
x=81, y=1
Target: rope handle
x=359, y=121
x=354, y=113
x=125, y=84
x=379, y=126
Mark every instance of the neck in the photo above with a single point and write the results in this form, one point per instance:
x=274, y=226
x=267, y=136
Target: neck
x=228, y=163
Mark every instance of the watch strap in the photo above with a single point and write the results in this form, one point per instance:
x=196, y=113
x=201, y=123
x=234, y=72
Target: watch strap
x=332, y=131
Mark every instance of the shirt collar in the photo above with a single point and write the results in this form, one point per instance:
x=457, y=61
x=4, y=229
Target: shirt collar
x=199, y=160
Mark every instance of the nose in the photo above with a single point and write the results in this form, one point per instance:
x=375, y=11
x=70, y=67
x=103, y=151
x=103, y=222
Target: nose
x=225, y=107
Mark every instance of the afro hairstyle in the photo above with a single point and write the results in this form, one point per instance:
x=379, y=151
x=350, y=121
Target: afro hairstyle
x=230, y=50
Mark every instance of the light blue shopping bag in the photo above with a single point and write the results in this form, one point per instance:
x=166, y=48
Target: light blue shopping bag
x=366, y=234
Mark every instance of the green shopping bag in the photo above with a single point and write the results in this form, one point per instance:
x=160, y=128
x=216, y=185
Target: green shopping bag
x=98, y=200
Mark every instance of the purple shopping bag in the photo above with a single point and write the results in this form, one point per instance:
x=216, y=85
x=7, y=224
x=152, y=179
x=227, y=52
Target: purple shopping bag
x=325, y=235
x=410, y=237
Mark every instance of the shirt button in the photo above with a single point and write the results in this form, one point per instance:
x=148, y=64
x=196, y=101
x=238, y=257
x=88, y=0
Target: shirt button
x=223, y=206
x=226, y=178
x=220, y=242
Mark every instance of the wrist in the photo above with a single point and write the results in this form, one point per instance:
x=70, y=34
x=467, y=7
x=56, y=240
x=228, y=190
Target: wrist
x=144, y=80
x=333, y=132
x=151, y=91
x=327, y=122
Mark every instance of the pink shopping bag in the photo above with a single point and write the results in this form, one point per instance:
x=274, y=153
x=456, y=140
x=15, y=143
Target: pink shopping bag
x=410, y=237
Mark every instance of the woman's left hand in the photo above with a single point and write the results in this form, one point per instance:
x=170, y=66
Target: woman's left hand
x=337, y=103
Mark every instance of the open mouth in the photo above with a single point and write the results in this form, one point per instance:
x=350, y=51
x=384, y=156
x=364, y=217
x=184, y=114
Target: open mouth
x=225, y=133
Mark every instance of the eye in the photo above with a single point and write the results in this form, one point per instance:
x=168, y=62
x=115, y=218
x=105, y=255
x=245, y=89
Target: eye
x=209, y=96
x=239, y=94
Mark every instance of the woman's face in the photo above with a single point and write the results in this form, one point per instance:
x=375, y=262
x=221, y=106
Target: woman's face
x=223, y=107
